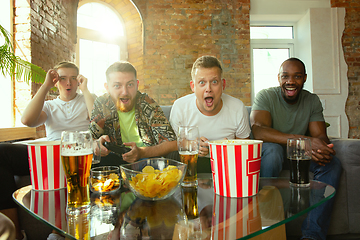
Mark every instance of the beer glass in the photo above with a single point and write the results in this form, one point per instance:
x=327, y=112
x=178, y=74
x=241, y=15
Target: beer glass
x=190, y=203
x=76, y=149
x=188, y=145
x=79, y=226
x=299, y=155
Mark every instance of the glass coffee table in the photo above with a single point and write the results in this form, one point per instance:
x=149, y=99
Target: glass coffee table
x=191, y=213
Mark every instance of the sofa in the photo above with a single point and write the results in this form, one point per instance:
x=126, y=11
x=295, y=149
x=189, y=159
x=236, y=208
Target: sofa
x=345, y=223
x=345, y=218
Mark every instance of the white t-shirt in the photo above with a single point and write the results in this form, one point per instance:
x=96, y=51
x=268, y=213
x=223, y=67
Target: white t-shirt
x=65, y=116
x=232, y=120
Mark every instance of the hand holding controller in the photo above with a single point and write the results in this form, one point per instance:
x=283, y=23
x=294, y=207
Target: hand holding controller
x=119, y=149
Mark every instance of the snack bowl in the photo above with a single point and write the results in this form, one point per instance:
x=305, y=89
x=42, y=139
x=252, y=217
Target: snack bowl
x=153, y=178
x=105, y=179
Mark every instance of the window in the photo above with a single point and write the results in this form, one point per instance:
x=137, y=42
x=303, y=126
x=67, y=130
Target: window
x=101, y=42
x=270, y=46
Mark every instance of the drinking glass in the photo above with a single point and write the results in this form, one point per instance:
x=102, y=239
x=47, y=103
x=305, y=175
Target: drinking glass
x=76, y=149
x=190, y=202
x=299, y=155
x=188, y=145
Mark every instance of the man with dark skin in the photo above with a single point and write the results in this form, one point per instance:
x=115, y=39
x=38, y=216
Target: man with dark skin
x=289, y=111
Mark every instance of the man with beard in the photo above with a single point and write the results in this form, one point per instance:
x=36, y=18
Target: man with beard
x=126, y=116
x=289, y=111
x=216, y=114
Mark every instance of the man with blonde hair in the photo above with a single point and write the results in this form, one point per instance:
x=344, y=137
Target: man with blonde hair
x=216, y=114
x=69, y=111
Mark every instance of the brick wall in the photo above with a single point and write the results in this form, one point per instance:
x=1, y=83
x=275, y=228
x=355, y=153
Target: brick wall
x=351, y=47
x=46, y=34
x=178, y=32
x=164, y=39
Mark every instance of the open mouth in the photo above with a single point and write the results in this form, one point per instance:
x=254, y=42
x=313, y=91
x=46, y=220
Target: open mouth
x=209, y=101
x=123, y=104
x=290, y=91
x=124, y=100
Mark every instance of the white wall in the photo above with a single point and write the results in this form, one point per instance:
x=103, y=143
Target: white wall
x=302, y=49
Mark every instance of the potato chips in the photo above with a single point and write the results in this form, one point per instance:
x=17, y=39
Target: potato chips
x=105, y=183
x=155, y=183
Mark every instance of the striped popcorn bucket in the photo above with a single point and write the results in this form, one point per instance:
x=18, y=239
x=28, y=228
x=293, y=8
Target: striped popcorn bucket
x=235, y=167
x=51, y=206
x=235, y=217
x=46, y=170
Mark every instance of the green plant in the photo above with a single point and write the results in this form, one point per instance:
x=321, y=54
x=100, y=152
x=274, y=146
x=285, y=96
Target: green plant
x=15, y=66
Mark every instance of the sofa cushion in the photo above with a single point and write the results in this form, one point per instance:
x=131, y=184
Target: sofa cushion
x=166, y=109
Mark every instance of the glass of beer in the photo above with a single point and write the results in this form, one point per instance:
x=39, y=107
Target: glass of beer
x=79, y=226
x=299, y=155
x=190, y=203
x=76, y=149
x=188, y=145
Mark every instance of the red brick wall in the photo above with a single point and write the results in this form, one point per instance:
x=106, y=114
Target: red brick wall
x=178, y=32
x=351, y=47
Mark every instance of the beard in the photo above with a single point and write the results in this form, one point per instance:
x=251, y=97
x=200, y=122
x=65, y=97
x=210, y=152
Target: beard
x=290, y=100
x=124, y=107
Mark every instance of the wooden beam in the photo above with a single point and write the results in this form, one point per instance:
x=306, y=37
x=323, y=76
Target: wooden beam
x=17, y=133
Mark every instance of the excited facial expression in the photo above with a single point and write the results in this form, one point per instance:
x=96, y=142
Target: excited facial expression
x=291, y=78
x=208, y=86
x=67, y=83
x=122, y=87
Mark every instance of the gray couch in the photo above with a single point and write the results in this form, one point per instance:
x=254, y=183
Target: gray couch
x=346, y=212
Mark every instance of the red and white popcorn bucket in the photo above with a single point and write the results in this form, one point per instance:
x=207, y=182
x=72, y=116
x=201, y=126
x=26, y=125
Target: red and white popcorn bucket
x=235, y=167
x=235, y=217
x=51, y=206
x=46, y=170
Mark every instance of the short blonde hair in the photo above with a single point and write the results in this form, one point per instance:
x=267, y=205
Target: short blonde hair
x=205, y=62
x=122, y=66
x=66, y=65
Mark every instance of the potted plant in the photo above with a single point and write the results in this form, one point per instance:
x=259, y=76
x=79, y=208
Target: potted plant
x=16, y=67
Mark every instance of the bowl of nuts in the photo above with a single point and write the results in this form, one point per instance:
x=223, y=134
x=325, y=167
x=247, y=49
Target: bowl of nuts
x=104, y=179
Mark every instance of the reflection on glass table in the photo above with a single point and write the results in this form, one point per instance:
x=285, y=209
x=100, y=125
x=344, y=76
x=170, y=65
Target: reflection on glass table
x=191, y=213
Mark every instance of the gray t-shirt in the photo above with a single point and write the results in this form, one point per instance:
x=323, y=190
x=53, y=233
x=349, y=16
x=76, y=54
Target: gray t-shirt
x=288, y=118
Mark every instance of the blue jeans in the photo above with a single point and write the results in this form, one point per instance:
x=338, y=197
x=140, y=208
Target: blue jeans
x=317, y=222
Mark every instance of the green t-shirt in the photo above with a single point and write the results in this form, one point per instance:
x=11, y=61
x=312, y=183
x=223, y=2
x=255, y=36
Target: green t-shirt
x=129, y=129
x=288, y=118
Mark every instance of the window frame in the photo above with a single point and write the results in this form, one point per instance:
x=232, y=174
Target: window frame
x=270, y=44
x=93, y=35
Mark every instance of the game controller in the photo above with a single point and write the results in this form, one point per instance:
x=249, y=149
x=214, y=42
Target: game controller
x=119, y=149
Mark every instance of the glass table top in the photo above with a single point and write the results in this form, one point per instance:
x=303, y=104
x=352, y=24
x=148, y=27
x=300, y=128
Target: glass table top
x=191, y=213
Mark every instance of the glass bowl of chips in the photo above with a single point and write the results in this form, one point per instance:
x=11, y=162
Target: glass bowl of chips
x=154, y=178
x=105, y=179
